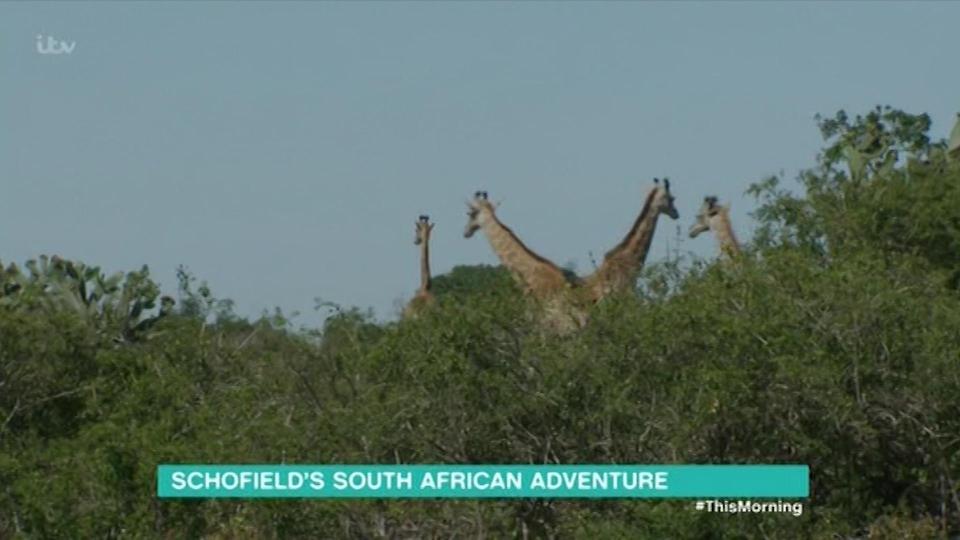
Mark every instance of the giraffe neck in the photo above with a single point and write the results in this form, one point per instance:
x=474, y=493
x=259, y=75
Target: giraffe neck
x=725, y=235
x=636, y=244
x=620, y=265
x=528, y=267
x=425, y=266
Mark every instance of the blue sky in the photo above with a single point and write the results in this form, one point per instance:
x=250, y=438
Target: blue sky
x=282, y=151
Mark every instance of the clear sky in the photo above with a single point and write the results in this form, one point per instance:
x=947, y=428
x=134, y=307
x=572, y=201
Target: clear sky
x=282, y=151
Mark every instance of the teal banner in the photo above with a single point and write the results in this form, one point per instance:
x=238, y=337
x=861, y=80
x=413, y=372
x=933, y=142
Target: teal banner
x=483, y=481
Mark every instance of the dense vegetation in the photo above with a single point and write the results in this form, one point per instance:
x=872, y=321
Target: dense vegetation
x=833, y=342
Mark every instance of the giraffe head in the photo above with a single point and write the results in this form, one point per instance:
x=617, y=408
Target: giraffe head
x=479, y=210
x=709, y=211
x=423, y=230
x=662, y=199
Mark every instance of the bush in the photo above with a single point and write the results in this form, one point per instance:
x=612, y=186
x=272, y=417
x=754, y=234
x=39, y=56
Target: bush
x=831, y=342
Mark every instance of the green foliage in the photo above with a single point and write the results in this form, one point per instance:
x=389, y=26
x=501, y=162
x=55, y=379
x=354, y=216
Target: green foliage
x=833, y=343
x=116, y=306
x=911, y=210
x=463, y=281
x=873, y=143
x=200, y=303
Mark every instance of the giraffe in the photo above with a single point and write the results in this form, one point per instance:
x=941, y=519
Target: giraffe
x=621, y=265
x=953, y=147
x=423, y=297
x=715, y=217
x=539, y=278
